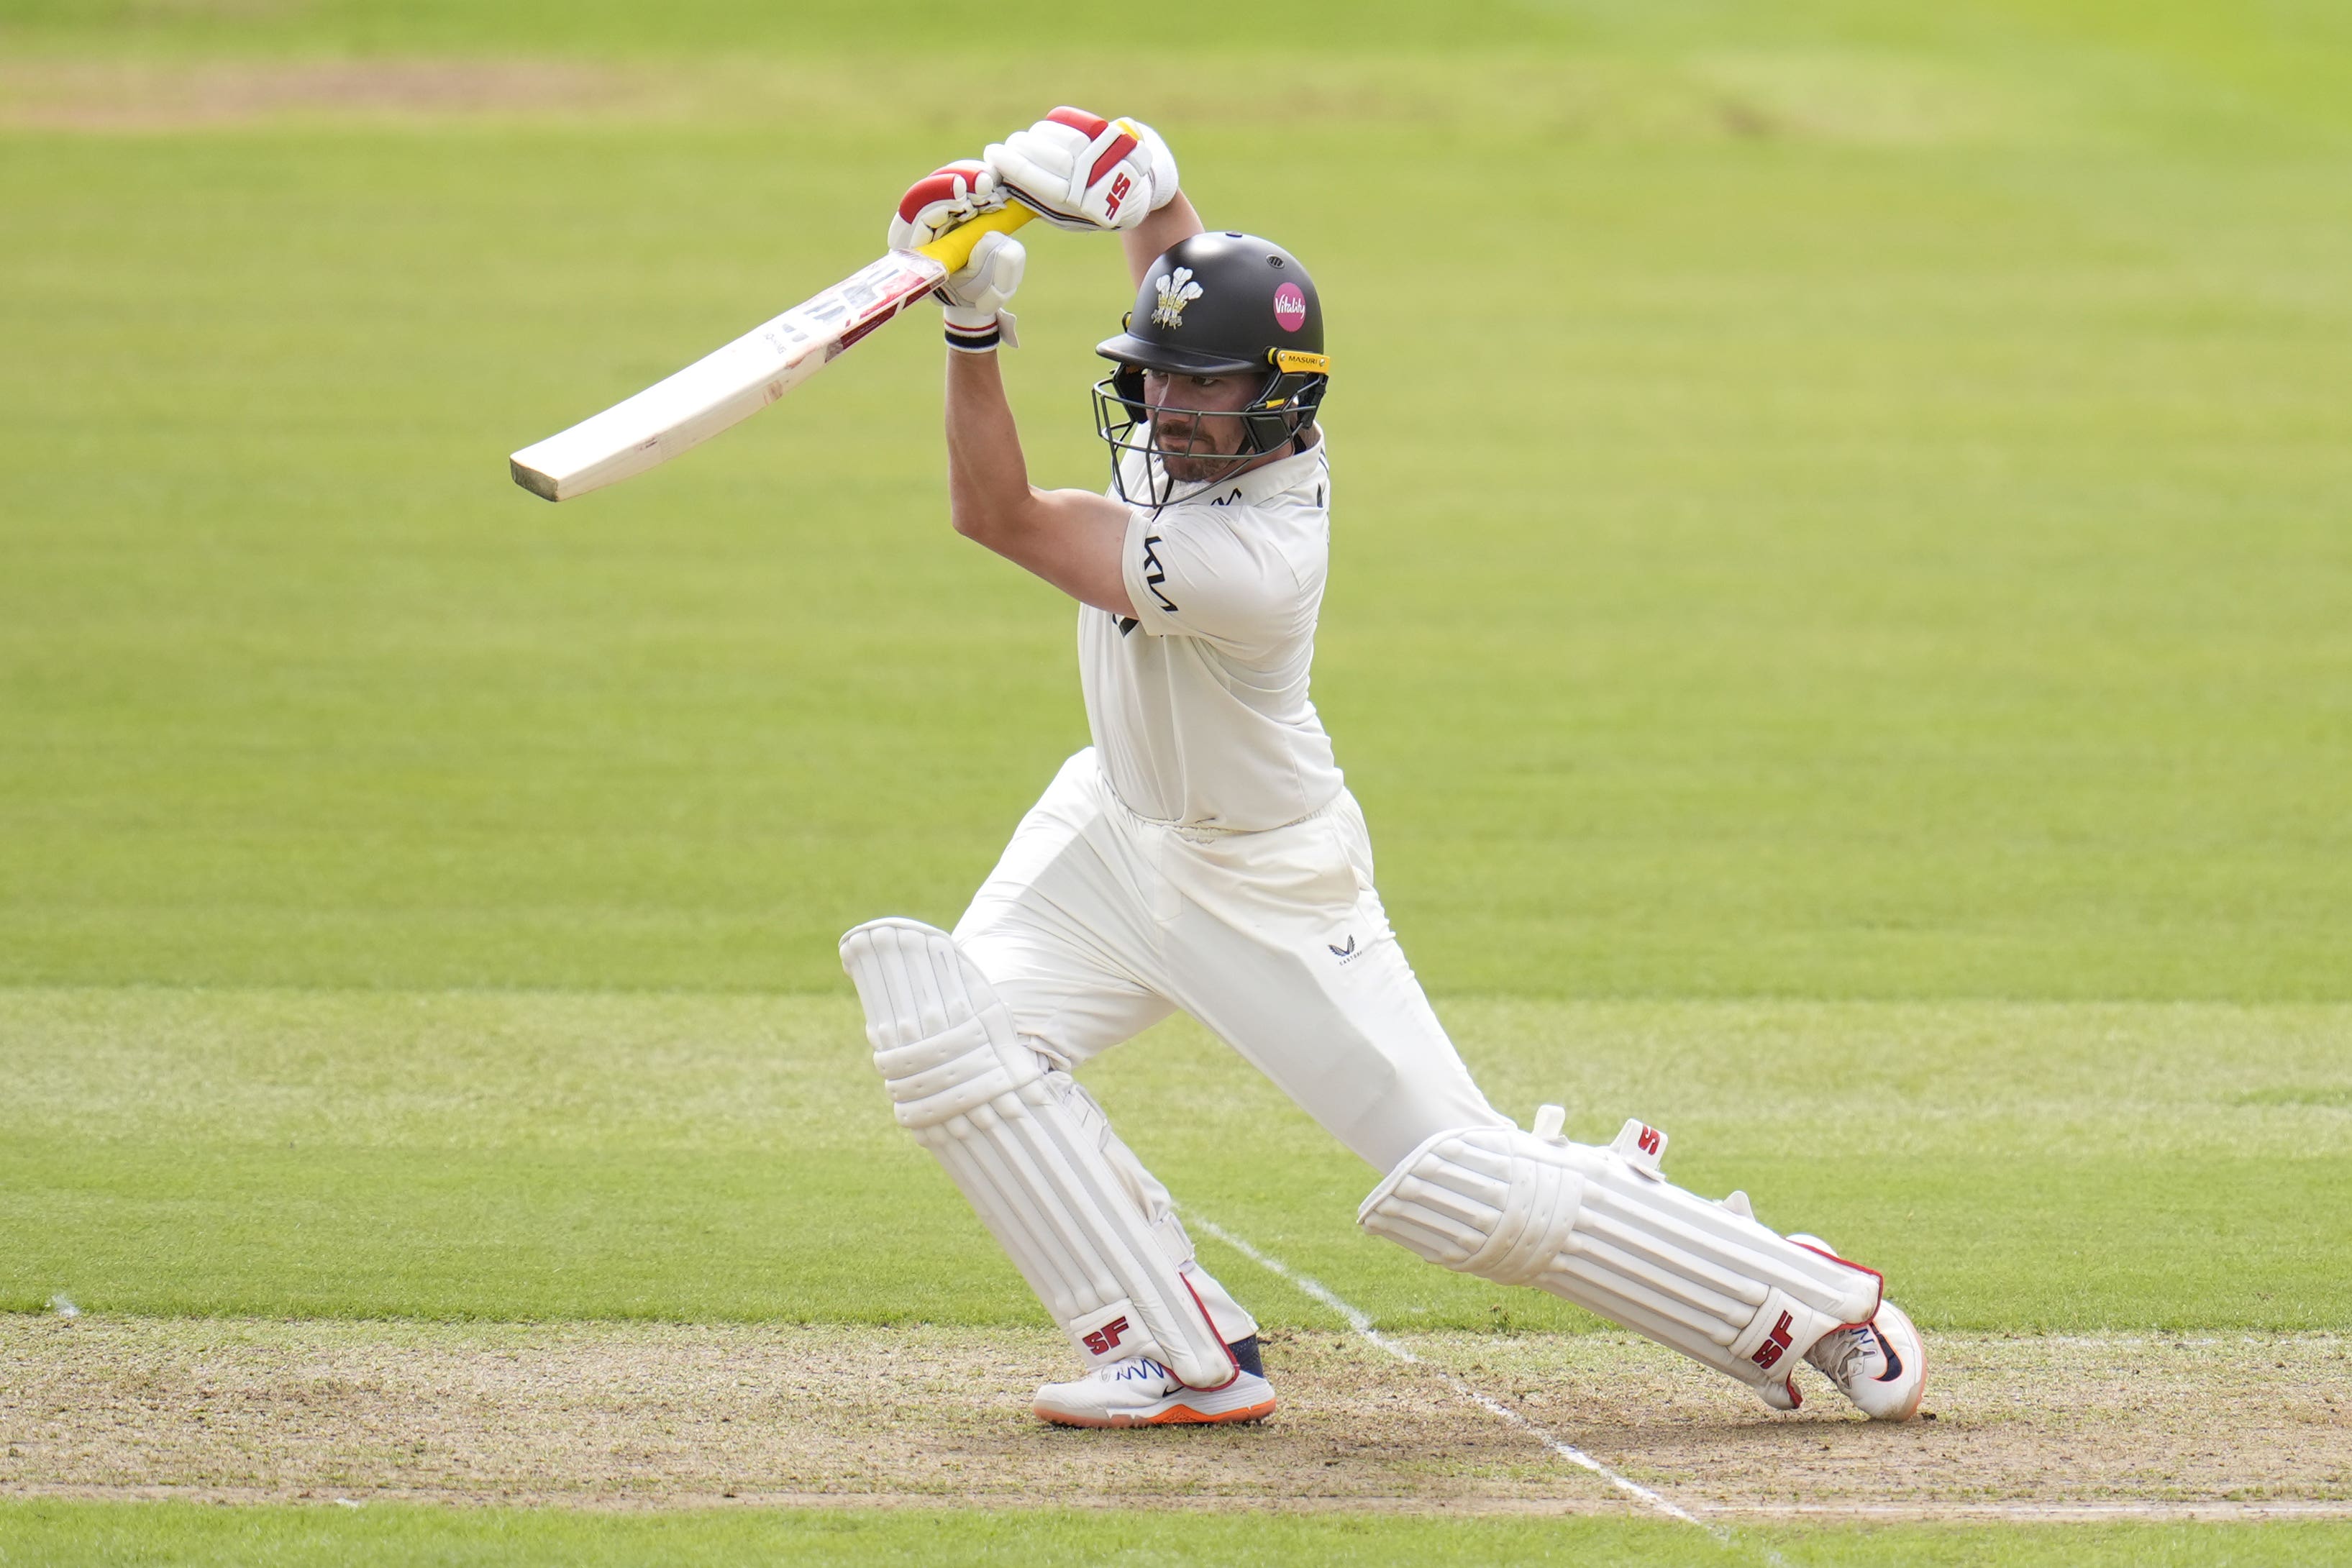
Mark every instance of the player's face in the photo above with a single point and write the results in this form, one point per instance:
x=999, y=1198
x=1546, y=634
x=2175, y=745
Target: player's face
x=1196, y=426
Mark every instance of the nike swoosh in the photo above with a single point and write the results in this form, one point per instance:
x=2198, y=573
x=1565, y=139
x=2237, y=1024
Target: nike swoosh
x=1894, y=1362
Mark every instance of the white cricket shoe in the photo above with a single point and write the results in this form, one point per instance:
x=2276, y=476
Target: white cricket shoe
x=1139, y=1392
x=1881, y=1366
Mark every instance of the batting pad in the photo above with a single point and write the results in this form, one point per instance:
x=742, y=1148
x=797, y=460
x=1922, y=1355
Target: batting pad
x=978, y=1099
x=1612, y=1236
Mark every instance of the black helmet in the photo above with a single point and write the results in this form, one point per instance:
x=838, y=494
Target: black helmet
x=1217, y=304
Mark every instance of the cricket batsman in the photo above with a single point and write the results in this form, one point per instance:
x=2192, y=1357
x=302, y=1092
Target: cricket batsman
x=1204, y=854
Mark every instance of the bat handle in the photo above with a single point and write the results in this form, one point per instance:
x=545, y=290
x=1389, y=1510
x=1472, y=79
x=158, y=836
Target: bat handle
x=952, y=249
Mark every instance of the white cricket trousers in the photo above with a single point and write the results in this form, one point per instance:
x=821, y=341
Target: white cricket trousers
x=1097, y=924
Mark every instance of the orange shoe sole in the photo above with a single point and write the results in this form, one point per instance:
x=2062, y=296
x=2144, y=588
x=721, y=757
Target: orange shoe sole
x=1174, y=1416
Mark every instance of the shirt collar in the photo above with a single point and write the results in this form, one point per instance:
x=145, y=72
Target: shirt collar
x=1300, y=471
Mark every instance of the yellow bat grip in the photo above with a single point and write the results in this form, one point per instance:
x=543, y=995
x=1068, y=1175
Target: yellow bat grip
x=952, y=249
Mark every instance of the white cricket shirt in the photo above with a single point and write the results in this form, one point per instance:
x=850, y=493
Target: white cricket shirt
x=1199, y=705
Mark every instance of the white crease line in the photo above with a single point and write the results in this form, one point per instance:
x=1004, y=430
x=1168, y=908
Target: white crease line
x=1362, y=1325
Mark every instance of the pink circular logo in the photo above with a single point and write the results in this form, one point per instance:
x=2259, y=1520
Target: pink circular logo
x=1290, y=307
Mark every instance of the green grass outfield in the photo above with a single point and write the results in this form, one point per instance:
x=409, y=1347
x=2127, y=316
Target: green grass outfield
x=1841, y=620
x=1857, y=520
x=264, y=1536
x=2050, y=1166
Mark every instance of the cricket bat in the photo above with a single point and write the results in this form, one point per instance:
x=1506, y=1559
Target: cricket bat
x=729, y=386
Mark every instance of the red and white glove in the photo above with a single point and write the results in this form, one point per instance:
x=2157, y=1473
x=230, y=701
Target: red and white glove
x=976, y=296
x=951, y=195
x=1081, y=170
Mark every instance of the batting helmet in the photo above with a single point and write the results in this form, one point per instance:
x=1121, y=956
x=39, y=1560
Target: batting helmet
x=1216, y=304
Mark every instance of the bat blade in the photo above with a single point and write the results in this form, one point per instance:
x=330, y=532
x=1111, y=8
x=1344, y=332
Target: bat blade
x=725, y=386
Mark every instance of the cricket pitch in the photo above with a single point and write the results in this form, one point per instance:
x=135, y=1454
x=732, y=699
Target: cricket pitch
x=643, y=1416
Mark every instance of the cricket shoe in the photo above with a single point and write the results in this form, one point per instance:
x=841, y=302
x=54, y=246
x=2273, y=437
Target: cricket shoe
x=1880, y=1365
x=1139, y=1392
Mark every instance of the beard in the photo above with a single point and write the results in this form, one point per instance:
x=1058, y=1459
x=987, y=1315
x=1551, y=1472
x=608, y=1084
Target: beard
x=1188, y=455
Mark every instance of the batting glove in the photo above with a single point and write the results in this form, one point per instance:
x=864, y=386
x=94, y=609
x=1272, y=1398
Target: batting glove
x=975, y=298
x=1081, y=170
x=951, y=194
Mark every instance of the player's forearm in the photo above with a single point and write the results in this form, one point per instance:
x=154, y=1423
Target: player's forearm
x=988, y=478
x=1158, y=231
x=1070, y=538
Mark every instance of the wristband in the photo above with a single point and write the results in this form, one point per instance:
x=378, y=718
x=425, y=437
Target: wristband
x=974, y=339
x=981, y=337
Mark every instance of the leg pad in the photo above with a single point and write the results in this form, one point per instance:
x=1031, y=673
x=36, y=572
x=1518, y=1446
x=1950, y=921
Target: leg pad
x=970, y=1090
x=1608, y=1233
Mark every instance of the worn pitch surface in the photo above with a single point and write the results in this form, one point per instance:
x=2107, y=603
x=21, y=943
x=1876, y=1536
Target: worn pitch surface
x=654, y=1414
